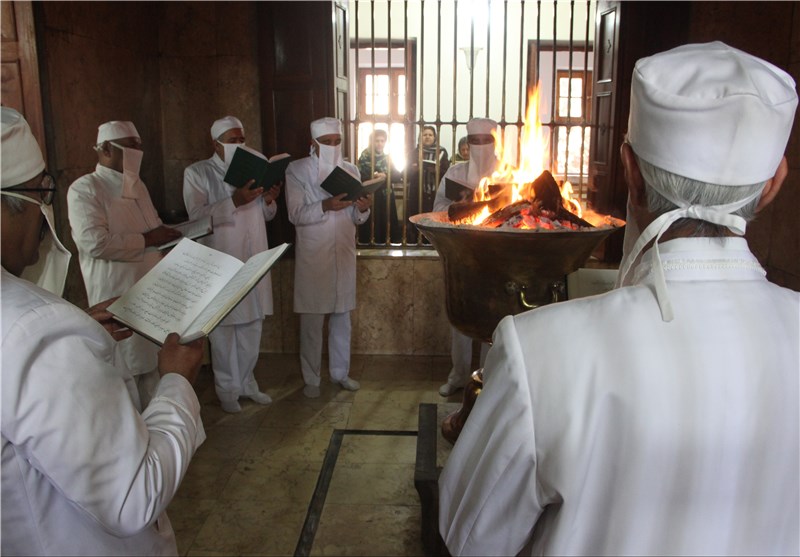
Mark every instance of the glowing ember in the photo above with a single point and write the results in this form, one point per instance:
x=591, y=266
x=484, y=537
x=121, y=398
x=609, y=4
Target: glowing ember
x=515, y=180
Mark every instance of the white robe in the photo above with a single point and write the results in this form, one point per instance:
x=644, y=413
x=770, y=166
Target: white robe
x=325, y=253
x=238, y=231
x=108, y=229
x=83, y=472
x=614, y=432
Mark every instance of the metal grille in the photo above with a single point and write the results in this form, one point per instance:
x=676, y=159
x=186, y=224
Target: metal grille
x=437, y=64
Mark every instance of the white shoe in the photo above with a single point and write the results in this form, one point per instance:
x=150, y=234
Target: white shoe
x=349, y=384
x=260, y=398
x=447, y=389
x=311, y=391
x=231, y=406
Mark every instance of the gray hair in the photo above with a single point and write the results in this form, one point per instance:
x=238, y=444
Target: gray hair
x=696, y=193
x=15, y=205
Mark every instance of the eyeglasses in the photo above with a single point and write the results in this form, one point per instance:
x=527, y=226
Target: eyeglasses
x=47, y=189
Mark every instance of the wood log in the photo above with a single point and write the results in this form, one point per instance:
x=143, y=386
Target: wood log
x=546, y=192
x=461, y=210
x=500, y=216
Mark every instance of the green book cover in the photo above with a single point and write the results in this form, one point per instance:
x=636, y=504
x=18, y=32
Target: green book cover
x=340, y=181
x=246, y=166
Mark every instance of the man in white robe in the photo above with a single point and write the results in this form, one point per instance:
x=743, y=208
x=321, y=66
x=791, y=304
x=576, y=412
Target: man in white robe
x=661, y=417
x=481, y=164
x=116, y=228
x=83, y=471
x=239, y=217
x=325, y=256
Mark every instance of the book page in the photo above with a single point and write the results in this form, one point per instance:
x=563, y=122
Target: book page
x=233, y=292
x=192, y=229
x=171, y=295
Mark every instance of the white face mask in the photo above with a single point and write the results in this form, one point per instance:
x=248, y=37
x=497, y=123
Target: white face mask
x=131, y=163
x=50, y=271
x=482, y=162
x=228, y=150
x=329, y=158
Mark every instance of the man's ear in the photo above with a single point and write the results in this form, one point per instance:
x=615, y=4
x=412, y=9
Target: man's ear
x=633, y=176
x=773, y=185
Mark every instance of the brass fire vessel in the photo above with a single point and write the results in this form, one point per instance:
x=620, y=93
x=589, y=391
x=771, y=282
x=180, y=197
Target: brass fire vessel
x=494, y=272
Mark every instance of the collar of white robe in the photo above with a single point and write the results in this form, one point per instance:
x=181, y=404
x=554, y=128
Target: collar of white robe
x=717, y=214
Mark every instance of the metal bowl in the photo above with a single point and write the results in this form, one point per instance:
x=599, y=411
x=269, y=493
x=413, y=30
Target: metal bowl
x=494, y=272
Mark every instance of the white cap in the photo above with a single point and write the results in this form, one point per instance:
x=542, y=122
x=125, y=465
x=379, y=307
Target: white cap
x=224, y=124
x=711, y=113
x=479, y=126
x=19, y=151
x=325, y=126
x=116, y=129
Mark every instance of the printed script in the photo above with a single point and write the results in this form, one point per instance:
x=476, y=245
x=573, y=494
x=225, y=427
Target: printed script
x=173, y=293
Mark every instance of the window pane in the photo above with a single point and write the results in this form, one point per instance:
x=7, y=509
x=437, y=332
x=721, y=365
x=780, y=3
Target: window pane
x=368, y=94
x=576, y=106
x=382, y=94
x=401, y=94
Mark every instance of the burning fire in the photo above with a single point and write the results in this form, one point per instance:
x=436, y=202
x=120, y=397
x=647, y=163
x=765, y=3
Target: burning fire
x=511, y=183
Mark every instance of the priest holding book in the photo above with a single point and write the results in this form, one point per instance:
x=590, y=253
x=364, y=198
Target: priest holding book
x=239, y=216
x=325, y=255
x=116, y=229
x=482, y=163
x=84, y=470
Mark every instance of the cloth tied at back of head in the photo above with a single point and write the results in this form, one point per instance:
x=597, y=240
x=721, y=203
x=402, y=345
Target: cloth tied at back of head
x=116, y=129
x=325, y=126
x=224, y=124
x=480, y=126
x=712, y=113
x=21, y=157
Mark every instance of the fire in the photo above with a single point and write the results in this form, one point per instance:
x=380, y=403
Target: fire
x=517, y=178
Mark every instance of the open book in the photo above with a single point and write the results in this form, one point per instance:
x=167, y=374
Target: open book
x=341, y=181
x=246, y=165
x=190, y=291
x=192, y=229
x=456, y=191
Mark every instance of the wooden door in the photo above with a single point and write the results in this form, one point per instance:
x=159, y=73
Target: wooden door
x=19, y=69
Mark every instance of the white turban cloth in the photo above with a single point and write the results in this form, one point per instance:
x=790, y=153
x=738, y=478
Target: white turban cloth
x=224, y=124
x=479, y=126
x=325, y=126
x=712, y=113
x=19, y=151
x=116, y=129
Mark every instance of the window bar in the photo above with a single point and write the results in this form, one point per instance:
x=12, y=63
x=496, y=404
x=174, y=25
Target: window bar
x=438, y=153
x=553, y=101
x=421, y=111
x=488, y=52
x=373, y=115
x=392, y=107
x=407, y=123
x=472, y=63
x=505, y=73
x=522, y=88
x=455, y=76
x=569, y=89
x=585, y=103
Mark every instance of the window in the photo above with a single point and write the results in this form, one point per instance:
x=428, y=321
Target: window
x=571, y=130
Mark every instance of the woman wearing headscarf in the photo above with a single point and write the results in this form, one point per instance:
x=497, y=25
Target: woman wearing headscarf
x=422, y=185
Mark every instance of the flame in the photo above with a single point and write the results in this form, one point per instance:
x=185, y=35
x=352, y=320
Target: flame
x=516, y=178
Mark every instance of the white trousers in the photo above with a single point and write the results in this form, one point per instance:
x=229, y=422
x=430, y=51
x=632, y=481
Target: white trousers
x=461, y=355
x=339, y=329
x=234, y=353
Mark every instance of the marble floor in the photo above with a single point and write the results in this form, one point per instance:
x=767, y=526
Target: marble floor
x=276, y=480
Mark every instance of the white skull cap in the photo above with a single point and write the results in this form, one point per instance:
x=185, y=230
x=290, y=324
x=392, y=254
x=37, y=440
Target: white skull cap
x=224, y=124
x=116, y=129
x=19, y=151
x=478, y=126
x=325, y=126
x=712, y=113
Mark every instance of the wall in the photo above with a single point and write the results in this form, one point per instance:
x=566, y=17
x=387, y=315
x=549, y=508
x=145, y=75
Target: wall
x=172, y=68
x=770, y=30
